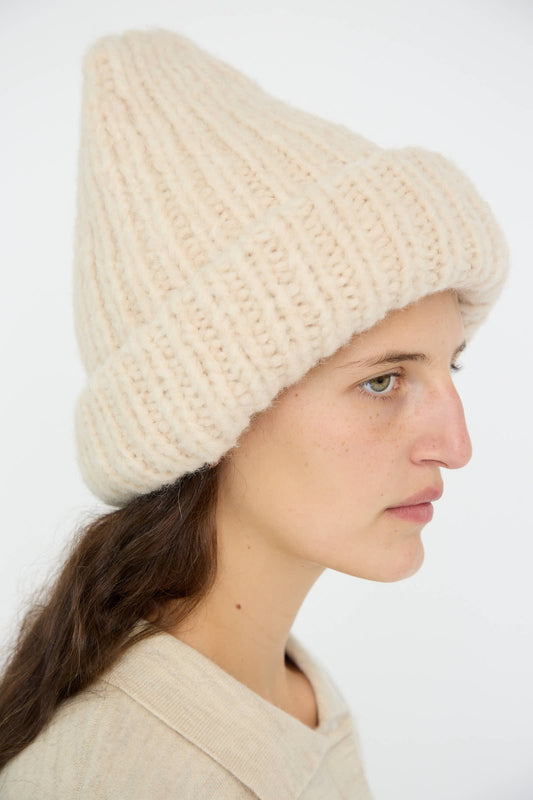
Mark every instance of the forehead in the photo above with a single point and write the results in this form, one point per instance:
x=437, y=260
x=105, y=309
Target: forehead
x=433, y=318
x=435, y=310
x=429, y=324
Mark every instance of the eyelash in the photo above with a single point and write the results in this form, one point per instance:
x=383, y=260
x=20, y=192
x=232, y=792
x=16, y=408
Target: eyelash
x=389, y=394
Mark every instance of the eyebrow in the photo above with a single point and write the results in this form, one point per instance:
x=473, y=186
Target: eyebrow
x=394, y=356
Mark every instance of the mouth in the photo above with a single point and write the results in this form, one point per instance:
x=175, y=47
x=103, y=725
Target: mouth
x=421, y=512
x=427, y=495
x=417, y=508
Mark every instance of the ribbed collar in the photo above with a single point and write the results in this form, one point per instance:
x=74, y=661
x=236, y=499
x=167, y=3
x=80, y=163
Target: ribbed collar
x=267, y=749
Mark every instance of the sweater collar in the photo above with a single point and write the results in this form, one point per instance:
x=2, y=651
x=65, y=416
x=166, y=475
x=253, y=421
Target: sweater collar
x=267, y=749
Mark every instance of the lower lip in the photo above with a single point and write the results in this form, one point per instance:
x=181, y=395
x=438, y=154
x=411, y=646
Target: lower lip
x=422, y=512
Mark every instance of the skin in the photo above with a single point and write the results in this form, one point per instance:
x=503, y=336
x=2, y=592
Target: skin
x=308, y=486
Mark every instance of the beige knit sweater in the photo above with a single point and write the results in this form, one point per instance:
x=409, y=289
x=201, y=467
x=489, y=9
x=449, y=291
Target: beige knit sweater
x=166, y=722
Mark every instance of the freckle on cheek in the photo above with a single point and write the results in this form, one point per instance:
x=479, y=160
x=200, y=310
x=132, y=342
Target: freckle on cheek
x=238, y=605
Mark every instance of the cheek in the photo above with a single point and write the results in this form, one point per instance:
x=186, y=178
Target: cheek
x=316, y=473
x=352, y=443
x=337, y=463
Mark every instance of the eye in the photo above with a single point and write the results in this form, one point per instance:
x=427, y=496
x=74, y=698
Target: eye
x=381, y=386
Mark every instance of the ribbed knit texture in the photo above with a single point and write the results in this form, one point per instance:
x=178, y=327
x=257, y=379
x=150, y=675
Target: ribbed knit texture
x=226, y=241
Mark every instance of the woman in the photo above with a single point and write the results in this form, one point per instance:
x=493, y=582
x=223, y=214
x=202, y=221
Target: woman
x=269, y=308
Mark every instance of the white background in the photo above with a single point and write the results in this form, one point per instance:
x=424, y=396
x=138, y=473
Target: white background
x=437, y=668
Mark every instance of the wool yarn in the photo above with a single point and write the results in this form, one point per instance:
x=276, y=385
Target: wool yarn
x=226, y=241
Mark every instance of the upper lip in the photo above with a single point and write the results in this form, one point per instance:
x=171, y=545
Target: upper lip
x=425, y=496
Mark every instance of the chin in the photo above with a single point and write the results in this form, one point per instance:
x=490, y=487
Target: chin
x=394, y=565
x=407, y=567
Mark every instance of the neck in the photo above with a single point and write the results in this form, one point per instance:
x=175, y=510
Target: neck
x=244, y=622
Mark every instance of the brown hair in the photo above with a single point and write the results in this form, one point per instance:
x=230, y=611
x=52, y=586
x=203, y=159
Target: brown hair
x=125, y=566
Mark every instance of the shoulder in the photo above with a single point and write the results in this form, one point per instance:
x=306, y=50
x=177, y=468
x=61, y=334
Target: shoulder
x=101, y=743
x=59, y=760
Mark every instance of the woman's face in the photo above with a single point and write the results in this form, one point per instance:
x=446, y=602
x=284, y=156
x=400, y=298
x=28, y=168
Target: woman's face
x=315, y=474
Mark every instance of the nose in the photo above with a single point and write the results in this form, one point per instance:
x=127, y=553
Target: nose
x=442, y=434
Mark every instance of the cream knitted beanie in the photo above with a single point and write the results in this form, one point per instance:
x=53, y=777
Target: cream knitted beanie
x=226, y=241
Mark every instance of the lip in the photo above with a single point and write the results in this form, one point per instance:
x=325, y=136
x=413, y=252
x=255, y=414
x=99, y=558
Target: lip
x=421, y=512
x=426, y=496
